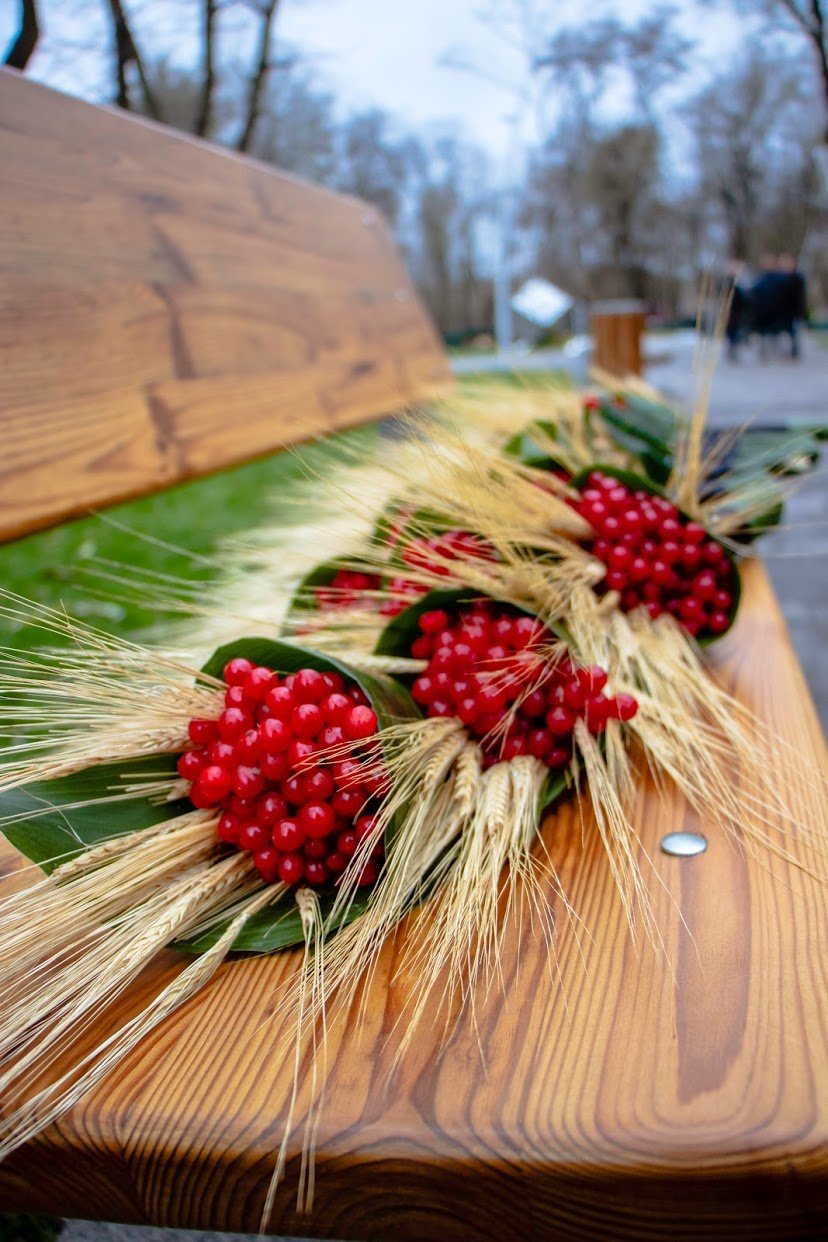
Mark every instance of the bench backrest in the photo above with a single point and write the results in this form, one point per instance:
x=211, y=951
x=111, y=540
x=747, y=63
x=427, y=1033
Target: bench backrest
x=168, y=308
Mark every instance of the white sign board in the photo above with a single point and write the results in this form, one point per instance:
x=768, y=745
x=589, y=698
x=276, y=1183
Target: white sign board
x=541, y=301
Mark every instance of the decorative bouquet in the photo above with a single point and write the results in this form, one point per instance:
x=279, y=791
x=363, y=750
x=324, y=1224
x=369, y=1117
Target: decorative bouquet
x=511, y=618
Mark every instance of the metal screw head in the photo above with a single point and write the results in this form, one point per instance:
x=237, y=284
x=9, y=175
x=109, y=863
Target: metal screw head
x=684, y=844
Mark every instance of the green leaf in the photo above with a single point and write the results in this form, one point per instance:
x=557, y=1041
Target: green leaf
x=554, y=787
x=399, y=634
x=268, y=931
x=527, y=450
x=52, y=821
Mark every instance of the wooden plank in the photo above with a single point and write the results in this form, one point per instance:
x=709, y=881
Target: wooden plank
x=627, y=1093
x=150, y=277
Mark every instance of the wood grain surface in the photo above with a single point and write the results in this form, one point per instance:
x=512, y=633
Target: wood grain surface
x=168, y=308
x=610, y=1092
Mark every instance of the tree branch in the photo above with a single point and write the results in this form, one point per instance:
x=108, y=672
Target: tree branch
x=25, y=41
x=126, y=53
x=205, y=105
x=257, y=82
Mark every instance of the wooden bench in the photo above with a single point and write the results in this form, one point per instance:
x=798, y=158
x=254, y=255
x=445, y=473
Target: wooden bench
x=169, y=308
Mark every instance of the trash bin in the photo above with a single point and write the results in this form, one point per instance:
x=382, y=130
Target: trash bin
x=616, y=328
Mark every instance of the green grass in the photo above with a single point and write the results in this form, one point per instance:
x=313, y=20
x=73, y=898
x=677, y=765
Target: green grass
x=52, y=567
x=56, y=567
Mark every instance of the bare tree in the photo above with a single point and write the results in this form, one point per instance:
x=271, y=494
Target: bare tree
x=25, y=41
x=126, y=54
x=204, y=115
x=258, y=79
x=808, y=18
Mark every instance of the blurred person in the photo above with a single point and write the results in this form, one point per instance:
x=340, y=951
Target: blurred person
x=766, y=297
x=793, y=299
x=738, y=313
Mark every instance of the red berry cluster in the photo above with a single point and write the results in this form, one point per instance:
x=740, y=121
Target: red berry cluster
x=346, y=589
x=262, y=763
x=486, y=665
x=656, y=558
x=431, y=554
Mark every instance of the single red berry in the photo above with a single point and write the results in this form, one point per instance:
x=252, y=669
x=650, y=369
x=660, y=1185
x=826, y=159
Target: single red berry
x=266, y=861
x=306, y=720
x=275, y=736
x=558, y=757
x=253, y=837
x=211, y=786
x=592, y=679
x=300, y=751
x=616, y=580
x=335, y=707
x=560, y=721
x=202, y=732
x=309, y=686
x=232, y=723
x=336, y=863
x=258, y=681
x=275, y=767
x=247, y=747
x=316, y=873
x=280, y=702
x=693, y=533
x=691, y=556
x=369, y=873
x=248, y=781
x=236, y=670
x=316, y=848
x=291, y=868
x=348, y=802
x=625, y=706
x=346, y=842
x=597, y=713
x=317, y=818
x=434, y=621
x=191, y=764
x=539, y=743
x=270, y=808
x=331, y=735
x=228, y=829
x=361, y=722
x=718, y=622
x=288, y=835
x=422, y=691
x=222, y=753
x=245, y=808
x=723, y=600
x=292, y=790
x=319, y=784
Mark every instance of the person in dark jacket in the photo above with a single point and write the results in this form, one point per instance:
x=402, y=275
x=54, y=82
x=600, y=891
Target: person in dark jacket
x=738, y=310
x=766, y=301
x=793, y=300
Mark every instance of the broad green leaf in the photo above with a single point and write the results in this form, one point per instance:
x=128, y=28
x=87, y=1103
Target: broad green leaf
x=51, y=821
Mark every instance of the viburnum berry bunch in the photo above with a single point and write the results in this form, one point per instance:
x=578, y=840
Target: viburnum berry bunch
x=656, y=557
x=267, y=764
x=488, y=665
x=431, y=554
x=351, y=588
x=346, y=589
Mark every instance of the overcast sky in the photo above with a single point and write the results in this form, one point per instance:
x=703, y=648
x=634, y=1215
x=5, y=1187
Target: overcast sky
x=368, y=52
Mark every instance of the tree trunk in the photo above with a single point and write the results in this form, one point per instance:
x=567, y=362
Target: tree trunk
x=127, y=53
x=259, y=78
x=20, y=52
x=205, y=106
